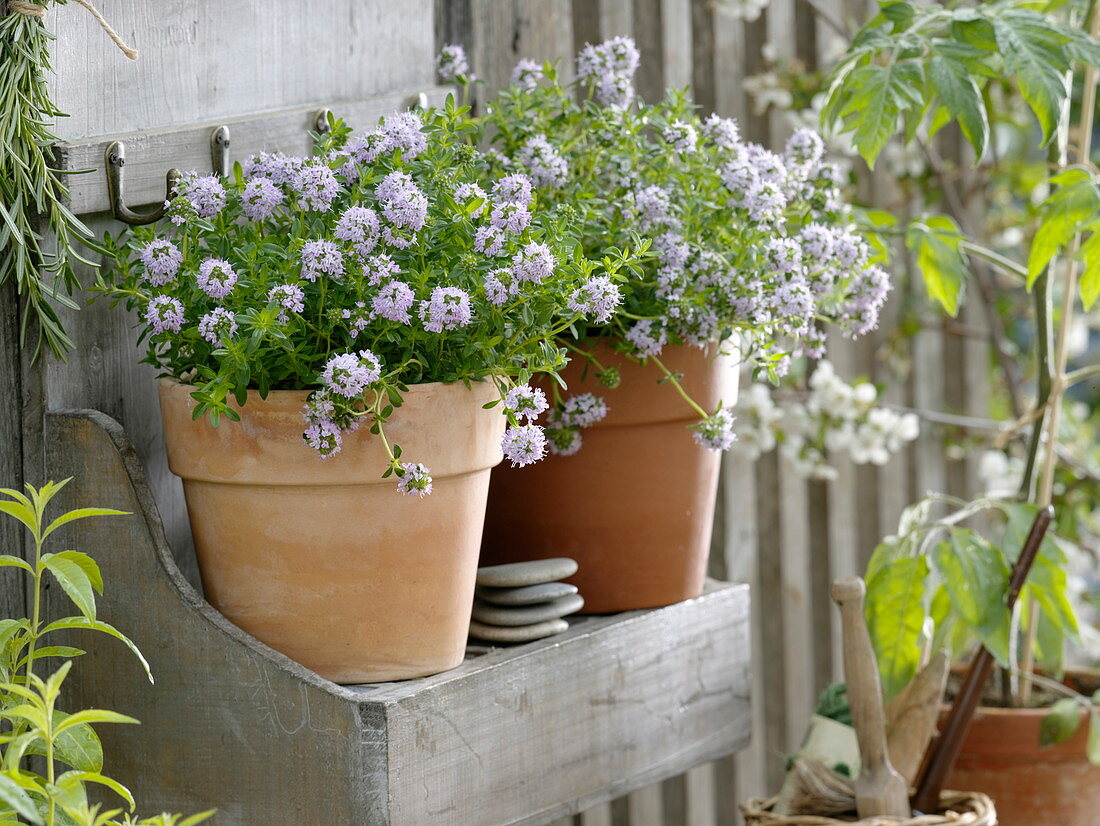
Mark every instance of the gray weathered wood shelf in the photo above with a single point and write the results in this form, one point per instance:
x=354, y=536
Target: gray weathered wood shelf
x=520, y=735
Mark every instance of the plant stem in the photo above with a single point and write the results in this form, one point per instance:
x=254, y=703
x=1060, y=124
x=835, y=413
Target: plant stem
x=1001, y=262
x=679, y=388
x=36, y=611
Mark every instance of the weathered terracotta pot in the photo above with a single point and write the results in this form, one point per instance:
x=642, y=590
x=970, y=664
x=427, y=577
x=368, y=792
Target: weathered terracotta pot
x=635, y=505
x=1031, y=786
x=322, y=559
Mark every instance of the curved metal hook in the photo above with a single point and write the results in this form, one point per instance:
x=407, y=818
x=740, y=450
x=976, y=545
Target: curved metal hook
x=320, y=121
x=219, y=151
x=115, y=158
x=418, y=101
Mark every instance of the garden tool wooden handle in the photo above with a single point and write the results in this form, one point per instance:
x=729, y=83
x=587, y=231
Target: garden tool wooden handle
x=880, y=790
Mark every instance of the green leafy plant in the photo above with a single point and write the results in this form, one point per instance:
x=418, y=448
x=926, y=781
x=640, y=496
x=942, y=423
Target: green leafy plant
x=32, y=195
x=925, y=68
x=66, y=744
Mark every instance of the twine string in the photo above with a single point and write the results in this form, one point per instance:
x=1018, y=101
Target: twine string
x=38, y=12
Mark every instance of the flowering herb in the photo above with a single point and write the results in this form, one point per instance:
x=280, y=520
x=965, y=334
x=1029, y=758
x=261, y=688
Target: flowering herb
x=383, y=260
x=748, y=245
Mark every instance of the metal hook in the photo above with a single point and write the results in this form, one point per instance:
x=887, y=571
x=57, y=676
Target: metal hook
x=418, y=101
x=219, y=151
x=115, y=157
x=320, y=121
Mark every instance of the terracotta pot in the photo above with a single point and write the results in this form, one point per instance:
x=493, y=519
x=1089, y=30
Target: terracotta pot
x=635, y=505
x=1030, y=786
x=322, y=559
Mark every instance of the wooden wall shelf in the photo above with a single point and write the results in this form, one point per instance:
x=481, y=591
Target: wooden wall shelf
x=520, y=735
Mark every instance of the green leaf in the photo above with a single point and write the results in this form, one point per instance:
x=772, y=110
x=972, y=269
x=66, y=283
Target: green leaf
x=87, y=564
x=7, y=560
x=103, y=627
x=1061, y=722
x=78, y=747
x=898, y=12
x=195, y=819
x=1034, y=52
x=74, y=580
x=879, y=94
x=961, y=96
x=1075, y=202
x=1090, y=276
x=12, y=796
x=975, y=576
x=80, y=513
x=96, y=777
x=941, y=263
x=895, y=617
x=20, y=512
x=93, y=715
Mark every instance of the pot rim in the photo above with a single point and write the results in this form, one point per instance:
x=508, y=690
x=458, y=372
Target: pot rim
x=425, y=385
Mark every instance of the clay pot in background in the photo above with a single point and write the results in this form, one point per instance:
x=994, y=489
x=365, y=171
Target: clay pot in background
x=635, y=505
x=1029, y=785
x=322, y=559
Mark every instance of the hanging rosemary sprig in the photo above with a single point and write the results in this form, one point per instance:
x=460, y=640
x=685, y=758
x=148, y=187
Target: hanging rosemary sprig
x=32, y=193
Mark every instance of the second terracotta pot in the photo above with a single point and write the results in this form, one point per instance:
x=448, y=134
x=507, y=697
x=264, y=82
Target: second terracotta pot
x=324, y=560
x=635, y=505
x=1030, y=785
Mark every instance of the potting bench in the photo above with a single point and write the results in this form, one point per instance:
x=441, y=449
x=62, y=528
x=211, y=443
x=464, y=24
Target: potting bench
x=525, y=734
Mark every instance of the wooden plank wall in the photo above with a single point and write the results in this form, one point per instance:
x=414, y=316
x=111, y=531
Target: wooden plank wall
x=789, y=538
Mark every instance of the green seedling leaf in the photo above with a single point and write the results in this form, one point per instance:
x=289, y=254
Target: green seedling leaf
x=80, y=513
x=963, y=99
x=895, y=618
x=1061, y=722
x=1073, y=204
x=74, y=580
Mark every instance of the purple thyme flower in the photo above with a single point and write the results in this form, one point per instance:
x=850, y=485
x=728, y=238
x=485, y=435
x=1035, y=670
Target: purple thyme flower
x=525, y=402
x=716, y=431
x=324, y=437
x=279, y=168
x=447, y=309
x=672, y=251
x=598, y=298
x=499, y=286
x=379, y=268
x=784, y=255
x=817, y=243
x=723, y=132
x=489, y=240
x=804, y=148
x=260, y=198
x=349, y=374
x=524, y=444
x=164, y=314
x=850, y=250
x=513, y=189
x=654, y=208
x=866, y=297
x=358, y=226
x=533, y=263
x=162, y=261
x=769, y=166
x=415, y=480
x=583, y=410
x=452, y=64
x=465, y=193
x=288, y=296
x=216, y=277
x=563, y=441
x=648, y=337
x=393, y=302
x=321, y=258
x=681, y=136
x=217, y=325
x=358, y=318
x=316, y=186
x=739, y=176
x=765, y=201
x=609, y=69
x=403, y=204
x=526, y=75
x=512, y=218
x=543, y=162
x=389, y=187
x=404, y=131
x=206, y=194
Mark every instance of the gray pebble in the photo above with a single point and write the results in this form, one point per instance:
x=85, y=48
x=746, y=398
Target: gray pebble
x=524, y=633
x=528, y=595
x=526, y=615
x=535, y=572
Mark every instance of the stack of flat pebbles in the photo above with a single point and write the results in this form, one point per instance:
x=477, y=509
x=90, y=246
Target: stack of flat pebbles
x=524, y=601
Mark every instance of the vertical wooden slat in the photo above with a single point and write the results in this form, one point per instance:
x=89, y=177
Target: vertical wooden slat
x=12, y=598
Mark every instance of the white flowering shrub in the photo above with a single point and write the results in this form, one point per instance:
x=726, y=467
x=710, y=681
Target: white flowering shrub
x=744, y=241
x=383, y=260
x=834, y=419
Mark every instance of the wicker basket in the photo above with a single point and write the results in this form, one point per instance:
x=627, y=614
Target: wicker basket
x=959, y=809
